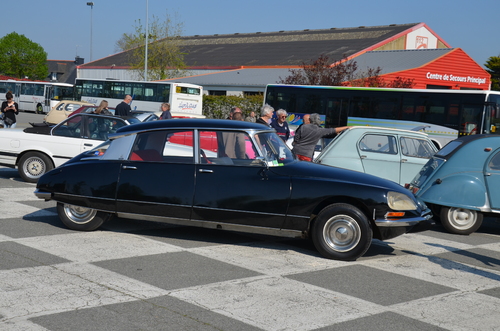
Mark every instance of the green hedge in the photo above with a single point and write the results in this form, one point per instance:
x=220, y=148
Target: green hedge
x=218, y=106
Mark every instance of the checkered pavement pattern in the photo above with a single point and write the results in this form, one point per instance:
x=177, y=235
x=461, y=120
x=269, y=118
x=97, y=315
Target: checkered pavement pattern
x=133, y=275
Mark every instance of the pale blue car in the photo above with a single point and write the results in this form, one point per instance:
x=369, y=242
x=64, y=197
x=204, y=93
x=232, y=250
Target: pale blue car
x=461, y=183
x=393, y=154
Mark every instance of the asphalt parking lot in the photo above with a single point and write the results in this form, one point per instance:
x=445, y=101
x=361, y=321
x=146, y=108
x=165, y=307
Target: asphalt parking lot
x=138, y=275
x=133, y=275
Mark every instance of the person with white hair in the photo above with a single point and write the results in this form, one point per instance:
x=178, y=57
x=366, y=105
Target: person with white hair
x=280, y=125
x=266, y=115
x=307, y=137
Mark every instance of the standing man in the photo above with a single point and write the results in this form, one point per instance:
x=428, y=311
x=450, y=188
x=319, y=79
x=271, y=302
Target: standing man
x=123, y=108
x=165, y=108
x=251, y=118
x=233, y=111
x=280, y=124
x=266, y=114
x=307, y=137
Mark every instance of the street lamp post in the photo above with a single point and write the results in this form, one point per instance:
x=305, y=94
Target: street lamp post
x=91, y=4
x=146, y=44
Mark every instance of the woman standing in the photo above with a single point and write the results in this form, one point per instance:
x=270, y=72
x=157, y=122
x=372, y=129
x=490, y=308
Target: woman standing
x=9, y=111
x=103, y=109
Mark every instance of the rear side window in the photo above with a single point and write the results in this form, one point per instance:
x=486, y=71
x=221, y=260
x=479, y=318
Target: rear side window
x=164, y=146
x=378, y=143
x=416, y=147
x=495, y=162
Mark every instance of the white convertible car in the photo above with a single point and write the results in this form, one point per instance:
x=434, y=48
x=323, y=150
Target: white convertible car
x=38, y=149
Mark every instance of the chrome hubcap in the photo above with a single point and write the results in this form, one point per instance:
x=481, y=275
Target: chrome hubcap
x=342, y=233
x=80, y=215
x=462, y=218
x=34, y=167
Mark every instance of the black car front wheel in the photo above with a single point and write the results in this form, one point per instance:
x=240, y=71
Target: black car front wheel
x=342, y=232
x=460, y=220
x=81, y=218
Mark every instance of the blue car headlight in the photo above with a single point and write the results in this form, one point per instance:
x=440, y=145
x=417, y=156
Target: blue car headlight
x=400, y=201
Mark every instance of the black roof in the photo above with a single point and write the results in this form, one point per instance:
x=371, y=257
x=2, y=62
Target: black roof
x=208, y=124
x=282, y=48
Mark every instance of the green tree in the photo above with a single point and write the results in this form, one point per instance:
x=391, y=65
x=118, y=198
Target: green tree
x=493, y=65
x=218, y=106
x=20, y=58
x=165, y=58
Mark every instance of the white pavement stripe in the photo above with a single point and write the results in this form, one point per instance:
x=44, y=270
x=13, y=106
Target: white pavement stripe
x=457, y=311
x=97, y=245
x=439, y=271
x=256, y=300
x=29, y=292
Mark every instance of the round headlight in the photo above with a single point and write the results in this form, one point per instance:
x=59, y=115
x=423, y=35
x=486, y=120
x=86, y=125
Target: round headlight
x=400, y=201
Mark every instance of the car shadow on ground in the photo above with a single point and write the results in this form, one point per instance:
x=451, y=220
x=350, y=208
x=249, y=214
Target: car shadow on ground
x=191, y=237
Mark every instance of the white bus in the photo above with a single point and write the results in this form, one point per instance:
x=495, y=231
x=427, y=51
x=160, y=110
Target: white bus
x=146, y=96
x=443, y=114
x=37, y=97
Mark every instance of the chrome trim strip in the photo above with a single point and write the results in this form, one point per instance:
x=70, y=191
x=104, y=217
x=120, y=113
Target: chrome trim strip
x=239, y=211
x=218, y=225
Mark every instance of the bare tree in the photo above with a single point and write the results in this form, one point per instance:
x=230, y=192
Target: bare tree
x=165, y=57
x=324, y=71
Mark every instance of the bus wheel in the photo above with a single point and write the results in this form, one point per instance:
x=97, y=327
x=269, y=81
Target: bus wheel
x=39, y=109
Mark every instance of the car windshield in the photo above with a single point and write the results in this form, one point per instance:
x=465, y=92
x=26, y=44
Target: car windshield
x=273, y=149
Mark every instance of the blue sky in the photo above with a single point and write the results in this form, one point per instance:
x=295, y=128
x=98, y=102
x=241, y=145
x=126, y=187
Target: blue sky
x=62, y=27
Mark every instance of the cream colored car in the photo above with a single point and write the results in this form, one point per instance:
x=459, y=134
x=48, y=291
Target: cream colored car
x=62, y=110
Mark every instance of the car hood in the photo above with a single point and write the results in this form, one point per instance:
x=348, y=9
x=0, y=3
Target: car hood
x=309, y=169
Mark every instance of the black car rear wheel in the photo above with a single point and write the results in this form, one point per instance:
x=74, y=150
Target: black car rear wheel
x=460, y=220
x=81, y=218
x=342, y=232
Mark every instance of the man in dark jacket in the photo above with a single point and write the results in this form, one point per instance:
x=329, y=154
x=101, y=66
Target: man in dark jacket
x=307, y=137
x=123, y=108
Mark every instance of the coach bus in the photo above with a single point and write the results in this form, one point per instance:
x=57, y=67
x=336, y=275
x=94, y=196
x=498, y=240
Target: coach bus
x=146, y=96
x=37, y=97
x=443, y=114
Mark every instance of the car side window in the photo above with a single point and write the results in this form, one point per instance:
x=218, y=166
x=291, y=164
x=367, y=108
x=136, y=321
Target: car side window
x=495, y=162
x=72, y=127
x=226, y=148
x=164, y=146
x=416, y=147
x=100, y=127
x=378, y=143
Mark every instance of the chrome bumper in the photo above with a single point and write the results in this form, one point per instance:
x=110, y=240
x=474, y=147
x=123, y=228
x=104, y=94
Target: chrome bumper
x=43, y=195
x=426, y=216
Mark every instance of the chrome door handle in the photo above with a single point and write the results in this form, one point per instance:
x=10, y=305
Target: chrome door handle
x=129, y=167
x=208, y=171
x=404, y=160
x=363, y=156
